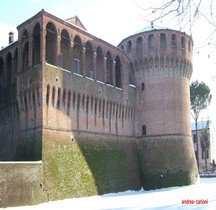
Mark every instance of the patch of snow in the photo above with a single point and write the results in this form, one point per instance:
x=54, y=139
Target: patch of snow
x=202, y=196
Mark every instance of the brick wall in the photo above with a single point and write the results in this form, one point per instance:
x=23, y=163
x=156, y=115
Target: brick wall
x=21, y=184
x=75, y=102
x=167, y=160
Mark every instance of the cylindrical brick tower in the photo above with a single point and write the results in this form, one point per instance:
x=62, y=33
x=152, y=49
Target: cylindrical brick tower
x=162, y=66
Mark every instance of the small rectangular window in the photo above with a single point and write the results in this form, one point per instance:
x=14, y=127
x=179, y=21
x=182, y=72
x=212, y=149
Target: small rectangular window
x=144, y=130
x=174, y=45
x=77, y=66
x=139, y=45
x=143, y=86
x=183, y=43
x=61, y=60
x=162, y=40
x=129, y=46
x=151, y=41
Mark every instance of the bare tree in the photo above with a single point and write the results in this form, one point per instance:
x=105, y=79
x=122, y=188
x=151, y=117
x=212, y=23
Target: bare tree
x=182, y=13
x=183, y=10
x=195, y=17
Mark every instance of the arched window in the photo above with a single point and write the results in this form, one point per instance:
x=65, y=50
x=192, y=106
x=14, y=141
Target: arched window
x=109, y=63
x=99, y=65
x=183, y=43
x=139, y=46
x=77, y=50
x=151, y=41
x=51, y=44
x=9, y=69
x=64, y=59
x=25, y=51
x=118, y=76
x=163, y=40
x=24, y=35
x=174, y=41
x=129, y=46
x=36, y=45
x=89, y=59
x=15, y=65
x=25, y=57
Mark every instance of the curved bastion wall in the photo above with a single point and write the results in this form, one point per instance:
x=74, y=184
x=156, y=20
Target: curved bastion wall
x=162, y=65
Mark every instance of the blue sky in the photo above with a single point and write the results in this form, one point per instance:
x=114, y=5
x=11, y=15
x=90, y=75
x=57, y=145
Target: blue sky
x=9, y=8
x=100, y=17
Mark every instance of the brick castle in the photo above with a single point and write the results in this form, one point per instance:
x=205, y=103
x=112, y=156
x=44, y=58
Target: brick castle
x=79, y=116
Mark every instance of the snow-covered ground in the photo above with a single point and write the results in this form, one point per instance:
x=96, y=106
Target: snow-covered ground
x=188, y=197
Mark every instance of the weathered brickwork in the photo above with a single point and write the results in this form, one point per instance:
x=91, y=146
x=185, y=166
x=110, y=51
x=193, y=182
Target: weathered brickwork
x=21, y=183
x=101, y=118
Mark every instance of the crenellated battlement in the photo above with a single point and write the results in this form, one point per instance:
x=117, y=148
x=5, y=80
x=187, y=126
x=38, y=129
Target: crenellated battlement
x=86, y=104
x=163, y=67
x=160, y=52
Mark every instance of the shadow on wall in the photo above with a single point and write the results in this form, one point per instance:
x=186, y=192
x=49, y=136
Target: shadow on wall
x=30, y=146
x=87, y=165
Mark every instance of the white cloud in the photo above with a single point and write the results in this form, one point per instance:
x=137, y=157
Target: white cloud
x=61, y=9
x=5, y=30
